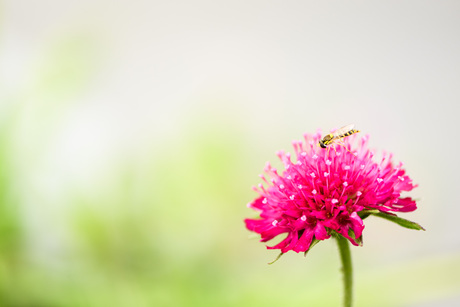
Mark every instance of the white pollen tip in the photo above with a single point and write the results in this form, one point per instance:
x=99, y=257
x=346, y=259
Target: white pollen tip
x=303, y=154
x=334, y=201
x=313, y=175
x=315, y=156
x=326, y=174
x=346, y=167
x=299, y=186
x=274, y=222
x=313, y=192
x=264, y=201
x=379, y=180
x=359, y=193
x=303, y=218
x=345, y=184
x=291, y=197
x=328, y=162
x=281, y=186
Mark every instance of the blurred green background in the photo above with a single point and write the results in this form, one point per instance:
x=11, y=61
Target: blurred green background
x=131, y=134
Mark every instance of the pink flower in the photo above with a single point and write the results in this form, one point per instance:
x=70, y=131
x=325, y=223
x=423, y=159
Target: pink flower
x=322, y=192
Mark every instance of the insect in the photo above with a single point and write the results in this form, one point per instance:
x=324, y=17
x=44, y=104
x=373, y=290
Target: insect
x=337, y=136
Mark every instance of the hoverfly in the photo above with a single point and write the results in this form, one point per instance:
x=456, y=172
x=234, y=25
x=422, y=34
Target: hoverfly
x=337, y=136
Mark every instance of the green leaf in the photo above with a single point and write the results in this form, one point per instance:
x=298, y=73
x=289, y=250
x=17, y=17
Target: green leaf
x=392, y=218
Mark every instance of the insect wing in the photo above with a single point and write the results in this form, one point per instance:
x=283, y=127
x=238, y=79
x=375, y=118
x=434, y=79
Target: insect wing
x=343, y=130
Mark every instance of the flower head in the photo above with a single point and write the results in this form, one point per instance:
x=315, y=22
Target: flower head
x=324, y=191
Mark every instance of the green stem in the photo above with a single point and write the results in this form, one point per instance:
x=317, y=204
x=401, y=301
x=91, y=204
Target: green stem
x=347, y=269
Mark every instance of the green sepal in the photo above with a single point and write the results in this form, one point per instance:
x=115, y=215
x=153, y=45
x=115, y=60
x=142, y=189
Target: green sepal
x=313, y=243
x=365, y=213
x=392, y=218
x=278, y=257
x=352, y=235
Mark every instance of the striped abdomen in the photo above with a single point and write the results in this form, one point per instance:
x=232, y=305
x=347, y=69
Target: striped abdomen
x=348, y=133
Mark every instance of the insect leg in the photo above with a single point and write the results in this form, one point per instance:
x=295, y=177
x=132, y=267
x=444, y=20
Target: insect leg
x=340, y=142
